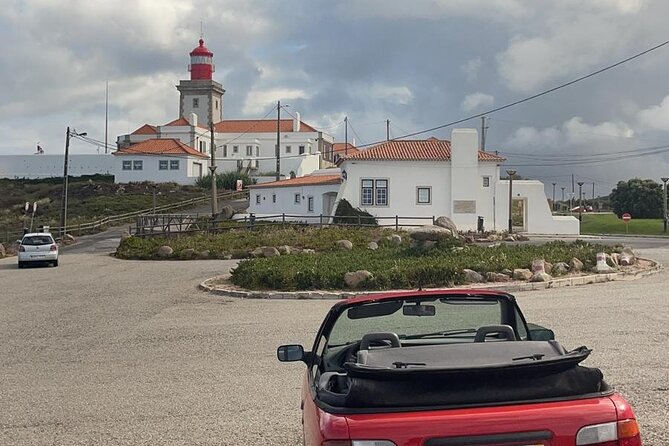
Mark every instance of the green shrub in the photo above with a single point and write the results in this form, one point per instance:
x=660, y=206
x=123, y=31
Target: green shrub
x=225, y=180
x=347, y=214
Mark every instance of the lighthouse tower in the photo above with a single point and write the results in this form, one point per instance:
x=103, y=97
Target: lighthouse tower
x=201, y=94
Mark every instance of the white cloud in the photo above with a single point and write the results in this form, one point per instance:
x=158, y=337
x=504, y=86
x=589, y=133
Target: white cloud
x=477, y=101
x=655, y=117
x=259, y=101
x=471, y=69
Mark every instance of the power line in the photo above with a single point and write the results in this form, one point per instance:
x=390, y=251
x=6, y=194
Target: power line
x=534, y=96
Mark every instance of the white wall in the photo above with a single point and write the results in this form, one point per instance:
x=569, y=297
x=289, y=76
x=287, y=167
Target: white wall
x=45, y=166
x=150, y=169
x=285, y=200
x=465, y=181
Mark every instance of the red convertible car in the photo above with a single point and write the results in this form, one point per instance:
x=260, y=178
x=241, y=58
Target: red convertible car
x=451, y=368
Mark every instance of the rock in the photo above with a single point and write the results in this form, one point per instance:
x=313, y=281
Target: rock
x=164, y=251
x=522, y=274
x=497, y=277
x=67, y=239
x=256, y=252
x=270, y=251
x=495, y=237
x=187, y=253
x=429, y=233
x=445, y=222
x=395, y=239
x=538, y=266
x=469, y=239
x=560, y=269
x=494, y=245
x=125, y=235
x=344, y=245
x=507, y=272
x=227, y=257
x=428, y=244
x=510, y=238
x=602, y=267
x=472, y=276
x=614, y=257
x=355, y=279
x=226, y=213
x=575, y=265
x=308, y=251
x=522, y=238
x=627, y=257
x=540, y=277
x=284, y=249
x=373, y=246
x=203, y=254
x=3, y=252
x=548, y=267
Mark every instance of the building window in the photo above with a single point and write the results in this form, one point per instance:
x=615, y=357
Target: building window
x=216, y=103
x=257, y=150
x=127, y=165
x=288, y=149
x=310, y=204
x=196, y=102
x=301, y=150
x=423, y=195
x=297, y=198
x=235, y=149
x=137, y=165
x=486, y=181
x=374, y=192
x=162, y=165
x=174, y=164
x=257, y=198
x=249, y=150
x=203, y=146
x=225, y=150
x=273, y=198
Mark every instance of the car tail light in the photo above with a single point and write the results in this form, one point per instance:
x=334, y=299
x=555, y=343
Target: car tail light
x=358, y=443
x=53, y=247
x=22, y=248
x=621, y=433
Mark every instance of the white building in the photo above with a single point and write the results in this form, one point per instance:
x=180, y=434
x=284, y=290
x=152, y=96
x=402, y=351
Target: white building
x=159, y=160
x=248, y=145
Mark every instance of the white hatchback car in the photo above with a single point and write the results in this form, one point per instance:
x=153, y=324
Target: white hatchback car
x=38, y=247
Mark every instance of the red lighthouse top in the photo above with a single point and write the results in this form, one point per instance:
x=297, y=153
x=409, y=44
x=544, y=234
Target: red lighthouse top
x=201, y=63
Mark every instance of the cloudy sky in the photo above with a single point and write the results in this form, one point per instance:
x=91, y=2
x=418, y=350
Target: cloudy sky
x=419, y=63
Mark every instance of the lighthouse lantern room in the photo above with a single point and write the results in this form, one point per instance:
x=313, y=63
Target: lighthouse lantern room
x=201, y=63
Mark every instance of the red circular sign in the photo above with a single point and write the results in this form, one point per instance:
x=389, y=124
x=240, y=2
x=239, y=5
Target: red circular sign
x=627, y=217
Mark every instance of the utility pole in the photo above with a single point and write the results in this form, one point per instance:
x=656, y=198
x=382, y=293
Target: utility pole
x=63, y=210
x=573, y=192
x=212, y=168
x=278, y=140
x=554, y=196
x=593, y=193
x=387, y=129
x=562, y=194
x=664, y=200
x=483, y=130
x=106, y=113
x=511, y=173
x=345, y=135
x=580, y=201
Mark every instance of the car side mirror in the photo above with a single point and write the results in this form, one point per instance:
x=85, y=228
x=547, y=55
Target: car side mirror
x=541, y=334
x=18, y=242
x=290, y=353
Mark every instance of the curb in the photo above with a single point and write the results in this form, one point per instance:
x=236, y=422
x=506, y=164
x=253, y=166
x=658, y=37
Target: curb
x=501, y=286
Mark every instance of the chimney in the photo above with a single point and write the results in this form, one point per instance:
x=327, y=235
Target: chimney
x=296, y=122
x=192, y=119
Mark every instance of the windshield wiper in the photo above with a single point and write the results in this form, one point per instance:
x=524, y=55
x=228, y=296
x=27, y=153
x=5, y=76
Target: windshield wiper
x=441, y=334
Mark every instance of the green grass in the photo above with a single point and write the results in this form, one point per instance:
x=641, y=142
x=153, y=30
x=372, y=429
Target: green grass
x=611, y=224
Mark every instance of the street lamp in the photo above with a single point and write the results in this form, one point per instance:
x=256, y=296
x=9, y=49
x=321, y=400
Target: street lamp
x=664, y=200
x=63, y=211
x=580, y=200
x=554, y=184
x=510, y=173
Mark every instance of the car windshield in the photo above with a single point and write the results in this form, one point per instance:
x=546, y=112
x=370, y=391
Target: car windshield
x=34, y=240
x=431, y=317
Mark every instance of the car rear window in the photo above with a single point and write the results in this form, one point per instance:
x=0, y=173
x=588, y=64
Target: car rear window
x=35, y=240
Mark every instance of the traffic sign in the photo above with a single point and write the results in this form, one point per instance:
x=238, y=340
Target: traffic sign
x=627, y=217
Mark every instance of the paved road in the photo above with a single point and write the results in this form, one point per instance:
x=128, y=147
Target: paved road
x=105, y=351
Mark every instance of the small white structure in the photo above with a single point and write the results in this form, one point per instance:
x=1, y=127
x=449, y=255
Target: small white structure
x=47, y=166
x=159, y=160
x=311, y=195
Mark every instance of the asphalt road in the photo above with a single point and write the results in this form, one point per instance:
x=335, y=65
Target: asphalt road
x=104, y=351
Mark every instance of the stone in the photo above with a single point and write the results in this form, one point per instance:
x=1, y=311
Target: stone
x=395, y=239
x=469, y=239
x=538, y=266
x=164, y=251
x=257, y=252
x=187, y=253
x=67, y=239
x=344, y=245
x=540, y=277
x=227, y=212
x=522, y=238
x=510, y=238
x=507, y=272
x=472, y=276
x=308, y=251
x=602, y=267
x=357, y=278
x=560, y=269
x=429, y=233
x=203, y=254
x=627, y=257
x=522, y=274
x=373, y=246
x=548, y=267
x=575, y=265
x=284, y=249
x=497, y=277
x=428, y=244
x=227, y=257
x=270, y=251
x=445, y=222
x=495, y=237
x=125, y=235
x=614, y=257
x=3, y=251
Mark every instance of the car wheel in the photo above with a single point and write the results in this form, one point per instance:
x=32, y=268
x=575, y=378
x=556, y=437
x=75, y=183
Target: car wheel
x=55, y=263
x=20, y=264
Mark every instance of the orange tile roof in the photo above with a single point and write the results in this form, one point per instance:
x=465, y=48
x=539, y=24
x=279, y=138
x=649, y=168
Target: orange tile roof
x=341, y=148
x=431, y=149
x=183, y=122
x=309, y=180
x=146, y=129
x=258, y=126
x=154, y=146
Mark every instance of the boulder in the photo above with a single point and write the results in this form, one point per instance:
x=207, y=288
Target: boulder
x=614, y=259
x=575, y=265
x=522, y=238
x=344, y=245
x=507, y=272
x=187, y=253
x=540, y=277
x=270, y=251
x=226, y=213
x=227, y=257
x=284, y=249
x=495, y=237
x=395, y=239
x=472, y=276
x=308, y=251
x=3, y=252
x=522, y=274
x=428, y=244
x=469, y=239
x=373, y=246
x=355, y=279
x=627, y=257
x=560, y=269
x=538, y=266
x=445, y=222
x=429, y=233
x=510, y=238
x=164, y=251
x=256, y=252
x=548, y=267
x=497, y=277
x=602, y=267
x=203, y=254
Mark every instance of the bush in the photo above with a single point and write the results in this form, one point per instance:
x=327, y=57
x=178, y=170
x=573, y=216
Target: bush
x=347, y=214
x=225, y=180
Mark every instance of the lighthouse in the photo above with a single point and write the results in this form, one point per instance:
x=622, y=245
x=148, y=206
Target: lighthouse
x=201, y=95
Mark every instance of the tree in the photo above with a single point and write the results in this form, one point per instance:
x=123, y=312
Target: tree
x=640, y=198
